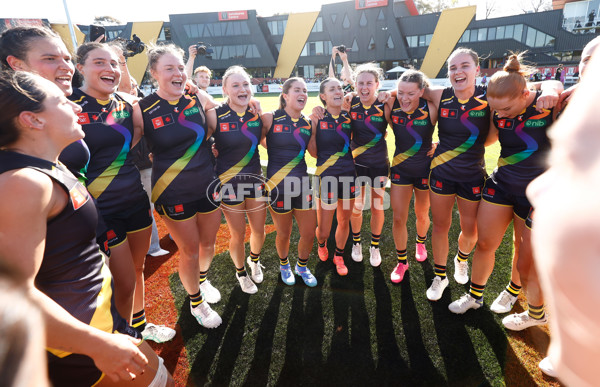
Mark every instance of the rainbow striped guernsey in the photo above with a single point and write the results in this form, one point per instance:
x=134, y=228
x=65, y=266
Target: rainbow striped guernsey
x=286, y=144
x=368, y=129
x=333, y=146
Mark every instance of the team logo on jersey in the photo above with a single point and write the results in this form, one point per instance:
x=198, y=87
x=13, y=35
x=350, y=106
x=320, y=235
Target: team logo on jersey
x=309, y=198
x=424, y=181
x=89, y=118
x=448, y=113
x=161, y=121
x=121, y=114
x=438, y=184
x=281, y=128
x=229, y=126
x=178, y=208
x=79, y=196
x=279, y=204
x=396, y=176
x=490, y=191
x=357, y=116
x=420, y=122
x=326, y=125
x=399, y=120
x=505, y=124
x=476, y=190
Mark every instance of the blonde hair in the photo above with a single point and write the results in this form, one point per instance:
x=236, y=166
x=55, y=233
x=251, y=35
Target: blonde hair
x=464, y=50
x=231, y=71
x=512, y=80
x=203, y=69
x=370, y=68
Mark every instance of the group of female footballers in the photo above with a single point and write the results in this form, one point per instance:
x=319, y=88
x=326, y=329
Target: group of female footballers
x=63, y=239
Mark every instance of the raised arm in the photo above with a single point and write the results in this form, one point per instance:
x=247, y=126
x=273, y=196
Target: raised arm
x=189, y=65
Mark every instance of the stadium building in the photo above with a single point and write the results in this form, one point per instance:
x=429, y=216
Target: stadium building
x=388, y=32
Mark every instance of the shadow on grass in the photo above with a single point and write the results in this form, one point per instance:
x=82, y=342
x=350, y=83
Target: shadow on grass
x=258, y=374
x=226, y=339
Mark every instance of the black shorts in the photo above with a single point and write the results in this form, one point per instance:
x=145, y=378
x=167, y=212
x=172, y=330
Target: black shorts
x=334, y=188
x=470, y=190
x=80, y=370
x=138, y=218
x=420, y=183
x=185, y=211
x=300, y=197
x=376, y=177
x=234, y=194
x=495, y=194
x=529, y=219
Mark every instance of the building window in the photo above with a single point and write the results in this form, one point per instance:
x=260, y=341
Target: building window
x=276, y=27
x=372, y=44
x=500, y=32
x=363, y=20
x=354, y=46
x=492, y=33
x=231, y=28
x=465, y=36
x=482, y=34
x=236, y=52
x=346, y=23
x=318, y=27
x=390, y=43
x=428, y=38
x=333, y=18
x=412, y=41
x=530, y=41
x=381, y=16
x=518, y=34
x=509, y=31
x=278, y=47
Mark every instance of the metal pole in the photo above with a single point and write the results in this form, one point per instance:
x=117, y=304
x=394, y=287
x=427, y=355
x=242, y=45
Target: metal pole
x=71, y=30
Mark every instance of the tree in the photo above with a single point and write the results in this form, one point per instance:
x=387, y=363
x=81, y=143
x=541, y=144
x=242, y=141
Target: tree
x=536, y=5
x=431, y=6
x=107, y=21
x=490, y=7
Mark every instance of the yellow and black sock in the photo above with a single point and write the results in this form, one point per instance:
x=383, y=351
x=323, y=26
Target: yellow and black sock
x=536, y=312
x=375, y=240
x=421, y=239
x=439, y=270
x=401, y=254
x=513, y=289
x=283, y=261
x=139, y=320
x=203, y=275
x=321, y=244
x=196, y=299
x=302, y=262
x=356, y=238
x=254, y=257
x=241, y=272
x=462, y=257
x=476, y=291
x=339, y=252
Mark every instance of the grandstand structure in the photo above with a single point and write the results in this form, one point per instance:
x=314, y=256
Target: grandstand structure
x=390, y=33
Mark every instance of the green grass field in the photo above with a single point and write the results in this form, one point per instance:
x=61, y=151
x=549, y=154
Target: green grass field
x=355, y=330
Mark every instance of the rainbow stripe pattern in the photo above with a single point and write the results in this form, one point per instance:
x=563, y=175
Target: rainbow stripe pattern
x=234, y=170
x=378, y=135
x=286, y=169
x=399, y=158
x=336, y=156
x=99, y=185
x=465, y=146
x=175, y=169
x=531, y=144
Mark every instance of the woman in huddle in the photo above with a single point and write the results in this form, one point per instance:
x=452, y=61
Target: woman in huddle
x=287, y=133
x=521, y=128
x=413, y=120
x=55, y=224
x=114, y=181
x=330, y=144
x=237, y=132
x=182, y=173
